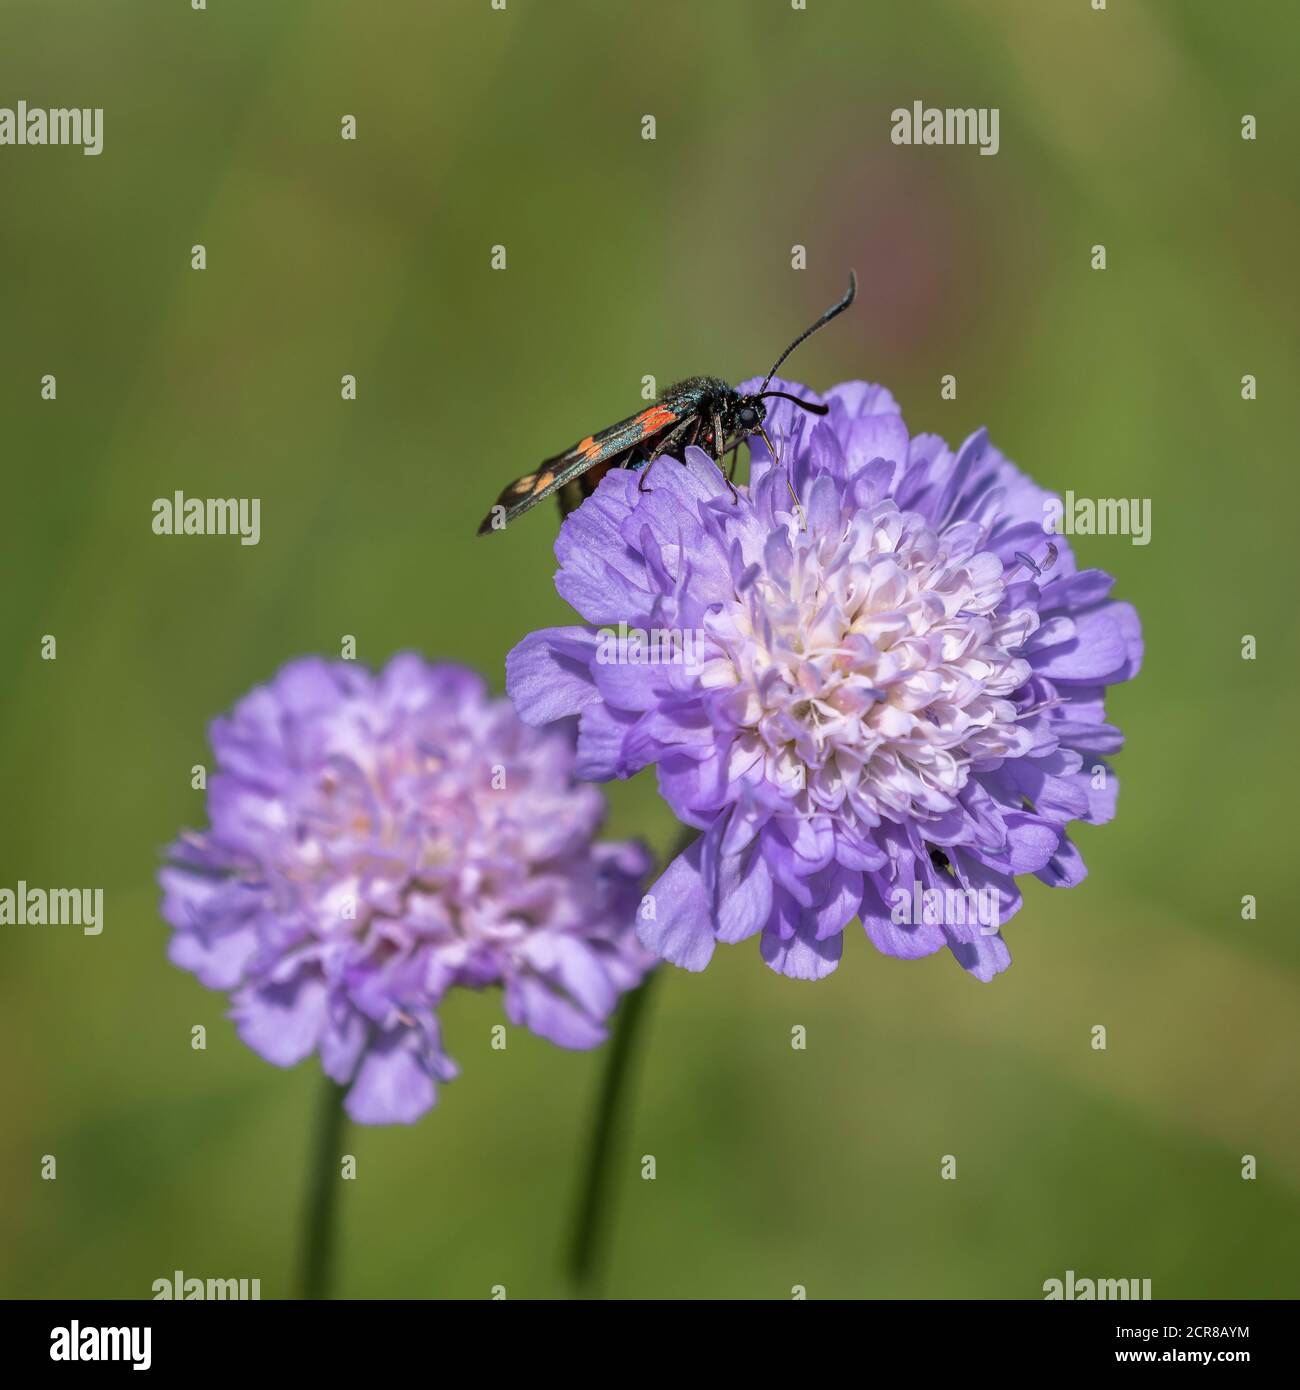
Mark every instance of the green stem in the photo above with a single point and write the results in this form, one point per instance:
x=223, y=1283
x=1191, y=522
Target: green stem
x=591, y=1218
x=320, y=1218
x=591, y=1223
x=592, y=1215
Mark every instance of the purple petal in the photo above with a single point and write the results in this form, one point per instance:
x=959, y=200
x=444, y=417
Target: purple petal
x=680, y=930
x=548, y=675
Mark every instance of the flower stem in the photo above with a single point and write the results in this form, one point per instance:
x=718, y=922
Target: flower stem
x=321, y=1211
x=591, y=1222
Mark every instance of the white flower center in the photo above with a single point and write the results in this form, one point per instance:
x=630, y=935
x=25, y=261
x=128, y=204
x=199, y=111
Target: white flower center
x=870, y=671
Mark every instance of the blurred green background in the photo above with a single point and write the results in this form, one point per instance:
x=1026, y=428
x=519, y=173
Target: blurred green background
x=628, y=257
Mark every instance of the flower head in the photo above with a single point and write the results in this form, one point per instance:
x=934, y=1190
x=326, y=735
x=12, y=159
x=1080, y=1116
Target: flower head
x=377, y=840
x=895, y=694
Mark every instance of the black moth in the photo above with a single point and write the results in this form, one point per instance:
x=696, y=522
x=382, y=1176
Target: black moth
x=700, y=410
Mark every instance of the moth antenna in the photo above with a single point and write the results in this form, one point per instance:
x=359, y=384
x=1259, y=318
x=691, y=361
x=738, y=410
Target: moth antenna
x=830, y=313
x=810, y=406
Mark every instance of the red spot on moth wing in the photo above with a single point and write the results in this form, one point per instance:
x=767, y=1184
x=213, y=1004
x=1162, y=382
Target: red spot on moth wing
x=655, y=419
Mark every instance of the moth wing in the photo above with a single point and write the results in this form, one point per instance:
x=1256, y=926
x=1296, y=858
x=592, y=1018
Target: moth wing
x=555, y=472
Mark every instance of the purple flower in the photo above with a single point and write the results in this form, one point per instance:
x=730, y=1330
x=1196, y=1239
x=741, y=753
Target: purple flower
x=379, y=839
x=893, y=696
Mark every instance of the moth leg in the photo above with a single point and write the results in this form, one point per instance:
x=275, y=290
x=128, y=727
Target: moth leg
x=645, y=473
x=675, y=435
x=794, y=496
x=717, y=456
x=668, y=441
x=694, y=424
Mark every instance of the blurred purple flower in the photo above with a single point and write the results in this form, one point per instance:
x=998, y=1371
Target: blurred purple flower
x=906, y=696
x=379, y=839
